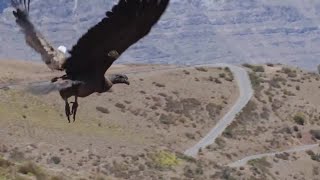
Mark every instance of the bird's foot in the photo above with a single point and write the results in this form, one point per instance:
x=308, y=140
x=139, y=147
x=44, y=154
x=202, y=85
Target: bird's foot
x=75, y=106
x=55, y=79
x=67, y=111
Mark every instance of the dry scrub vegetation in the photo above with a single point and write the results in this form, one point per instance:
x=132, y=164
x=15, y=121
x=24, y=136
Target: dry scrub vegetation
x=132, y=132
x=139, y=131
x=284, y=113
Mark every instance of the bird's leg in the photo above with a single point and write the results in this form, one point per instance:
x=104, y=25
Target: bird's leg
x=75, y=107
x=67, y=110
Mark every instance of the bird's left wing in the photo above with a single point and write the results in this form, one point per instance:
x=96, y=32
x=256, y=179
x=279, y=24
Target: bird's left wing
x=53, y=58
x=124, y=25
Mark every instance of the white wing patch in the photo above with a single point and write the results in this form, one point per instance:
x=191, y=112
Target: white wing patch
x=62, y=49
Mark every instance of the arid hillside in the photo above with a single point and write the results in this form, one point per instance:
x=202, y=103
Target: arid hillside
x=141, y=131
x=282, y=118
x=132, y=132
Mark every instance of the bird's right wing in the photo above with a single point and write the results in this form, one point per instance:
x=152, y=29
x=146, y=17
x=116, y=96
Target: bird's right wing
x=125, y=24
x=53, y=58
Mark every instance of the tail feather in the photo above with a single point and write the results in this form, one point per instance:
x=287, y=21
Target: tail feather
x=40, y=88
x=44, y=88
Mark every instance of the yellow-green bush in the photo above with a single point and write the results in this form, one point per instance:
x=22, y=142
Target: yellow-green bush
x=165, y=159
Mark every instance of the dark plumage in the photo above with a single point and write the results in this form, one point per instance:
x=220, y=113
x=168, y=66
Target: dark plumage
x=95, y=51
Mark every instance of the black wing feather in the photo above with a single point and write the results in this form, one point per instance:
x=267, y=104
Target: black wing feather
x=128, y=22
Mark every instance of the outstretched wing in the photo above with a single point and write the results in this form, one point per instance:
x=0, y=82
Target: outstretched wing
x=53, y=58
x=129, y=21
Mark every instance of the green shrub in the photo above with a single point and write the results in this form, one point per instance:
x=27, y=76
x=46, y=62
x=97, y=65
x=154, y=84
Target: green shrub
x=289, y=72
x=202, y=69
x=258, y=68
x=164, y=159
x=31, y=168
x=299, y=119
x=254, y=68
x=260, y=162
x=255, y=80
x=222, y=75
x=4, y=163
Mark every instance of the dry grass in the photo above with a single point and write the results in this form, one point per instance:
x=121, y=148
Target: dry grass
x=116, y=132
x=284, y=113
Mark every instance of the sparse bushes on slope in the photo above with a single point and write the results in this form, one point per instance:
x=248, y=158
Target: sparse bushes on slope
x=17, y=155
x=299, y=119
x=230, y=74
x=202, y=69
x=30, y=168
x=55, y=159
x=290, y=73
x=213, y=109
x=166, y=119
x=102, y=110
x=255, y=80
x=260, y=162
x=254, y=68
x=159, y=85
x=275, y=82
x=4, y=163
x=313, y=156
x=247, y=114
x=192, y=173
x=222, y=75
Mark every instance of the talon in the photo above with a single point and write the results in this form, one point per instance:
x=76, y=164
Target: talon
x=54, y=79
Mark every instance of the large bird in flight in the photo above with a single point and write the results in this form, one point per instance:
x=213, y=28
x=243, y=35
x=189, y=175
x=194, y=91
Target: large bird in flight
x=96, y=50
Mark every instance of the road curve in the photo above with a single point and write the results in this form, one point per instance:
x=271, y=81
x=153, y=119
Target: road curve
x=244, y=161
x=246, y=92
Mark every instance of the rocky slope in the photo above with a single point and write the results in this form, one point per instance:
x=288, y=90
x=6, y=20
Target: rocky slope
x=191, y=32
x=283, y=115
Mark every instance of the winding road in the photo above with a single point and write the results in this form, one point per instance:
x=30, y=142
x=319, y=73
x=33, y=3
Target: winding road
x=244, y=161
x=246, y=92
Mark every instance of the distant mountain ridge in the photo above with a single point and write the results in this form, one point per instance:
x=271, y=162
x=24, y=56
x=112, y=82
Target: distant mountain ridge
x=191, y=31
x=3, y=5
